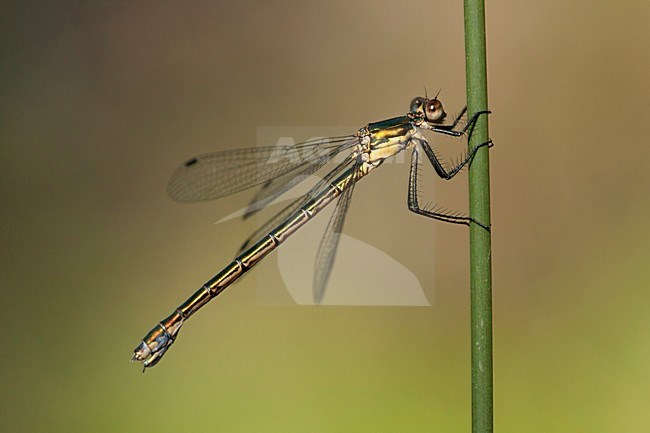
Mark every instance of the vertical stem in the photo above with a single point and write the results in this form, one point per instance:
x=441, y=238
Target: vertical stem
x=479, y=209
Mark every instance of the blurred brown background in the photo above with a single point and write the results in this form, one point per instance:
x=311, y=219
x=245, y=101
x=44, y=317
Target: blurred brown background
x=101, y=101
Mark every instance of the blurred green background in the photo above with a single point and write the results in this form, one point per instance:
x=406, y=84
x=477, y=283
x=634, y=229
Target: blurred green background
x=101, y=101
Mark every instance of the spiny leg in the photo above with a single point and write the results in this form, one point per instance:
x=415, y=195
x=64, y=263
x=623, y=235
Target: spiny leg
x=449, y=129
x=413, y=202
x=437, y=165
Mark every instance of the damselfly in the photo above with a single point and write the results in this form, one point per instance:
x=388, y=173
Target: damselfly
x=280, y=168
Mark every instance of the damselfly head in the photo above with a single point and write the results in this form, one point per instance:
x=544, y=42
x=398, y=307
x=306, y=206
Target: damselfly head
x=430, y=110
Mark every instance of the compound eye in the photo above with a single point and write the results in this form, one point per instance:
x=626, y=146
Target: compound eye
x=416, y=104
x=433, y=110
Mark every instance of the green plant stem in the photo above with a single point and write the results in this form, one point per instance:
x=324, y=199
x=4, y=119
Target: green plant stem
x=479, y=209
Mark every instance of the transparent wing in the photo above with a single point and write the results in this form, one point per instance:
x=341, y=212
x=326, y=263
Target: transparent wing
x=296, y=204
x=328, y=245
x=218, y=174
x=274, y=188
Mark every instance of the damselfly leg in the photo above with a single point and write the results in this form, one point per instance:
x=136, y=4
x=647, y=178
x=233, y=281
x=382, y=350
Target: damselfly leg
x=413, y=200
x=469, y=126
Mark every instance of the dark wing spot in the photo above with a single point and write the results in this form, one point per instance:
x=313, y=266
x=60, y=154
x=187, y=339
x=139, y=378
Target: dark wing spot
x=191, y=162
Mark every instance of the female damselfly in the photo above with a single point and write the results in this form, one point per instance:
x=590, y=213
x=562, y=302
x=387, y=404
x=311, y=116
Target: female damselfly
x=280, y=168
